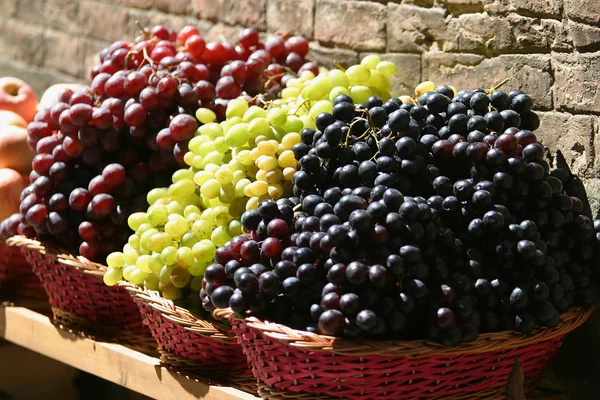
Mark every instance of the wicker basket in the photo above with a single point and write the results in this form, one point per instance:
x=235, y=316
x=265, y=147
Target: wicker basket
x=190, y=345
x=291, y=364
x=17, y=280
x=81, y=302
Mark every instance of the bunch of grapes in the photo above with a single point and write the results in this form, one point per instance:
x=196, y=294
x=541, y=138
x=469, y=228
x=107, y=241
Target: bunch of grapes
x=102, y=149
x=234, y=166
x=435, y=220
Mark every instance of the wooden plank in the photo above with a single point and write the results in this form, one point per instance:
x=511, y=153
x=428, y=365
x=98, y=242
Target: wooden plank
x=112, y=362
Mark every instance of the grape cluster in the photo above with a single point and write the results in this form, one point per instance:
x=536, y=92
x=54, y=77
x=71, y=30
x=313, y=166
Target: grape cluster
x=435, y=220
x=102, y=149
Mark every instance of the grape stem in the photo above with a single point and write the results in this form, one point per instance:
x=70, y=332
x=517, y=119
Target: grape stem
x=339, y=66
x=144, y=31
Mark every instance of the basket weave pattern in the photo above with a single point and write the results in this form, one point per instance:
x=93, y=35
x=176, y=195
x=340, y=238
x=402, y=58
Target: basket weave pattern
x=296, y=364
x=80, y=300
x=16, y=275
x=190, y=345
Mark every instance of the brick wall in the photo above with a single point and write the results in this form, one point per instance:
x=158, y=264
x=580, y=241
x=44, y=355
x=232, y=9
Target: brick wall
x=549, y=48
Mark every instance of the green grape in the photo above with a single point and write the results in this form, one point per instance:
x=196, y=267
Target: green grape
x=260, y=126
x=221, y=215
x=191, y=209
x=182, y=174
x=158, y=215
x=253, y=113
x=156, y=194
x=146, y=237
x=130, y=256
x=180, y=277
x=204, y=250
x=142, y=263
x=387, y=68
x=127, y=272
x=205, y=115
x=360, y=94
x=293, y=124
x=151, y=282
x=227, y=193
x=277, y=117
x=221, y=145
x=358, y=75
x=171, y=293
x=137, y=277
x=193, y=217
x=338, y=78
x=159, y=241
x=155, y=263
x=235, y=227
x=164, y=276
x=370, y=61
x=336, y=91
x=115, y=260
x=240, y=186
x=237, y=135
x=112, y=276
x=143, y=228
x=236, y=108
x=308, y=121
x=202, y=176
x=137, y=219
x=205, y=148
x=176, y=229
x=189, y=240
x=202, y=229
x=175, y=208
x=168, y=255
x=319, y=107
x=198, y=268
x=228, y=123
x=196, y=283
x=219, y=236
x=134, y=241
x=212, y=131
x=182, y=189
x=224, y=175
x=185, y=257
x=210, y=189
x=177, y=217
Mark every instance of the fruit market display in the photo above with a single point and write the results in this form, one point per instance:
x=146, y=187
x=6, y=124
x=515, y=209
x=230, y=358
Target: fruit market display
x=102, y=148
x=243, y=176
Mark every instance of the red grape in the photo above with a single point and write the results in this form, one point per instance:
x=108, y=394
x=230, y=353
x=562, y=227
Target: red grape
x=215, y=53
x=185, y=33
x=99, y=185
x=161, y=32
x=101, y=118
x=248, y=37
x=183, y=127
x=89, y=250
x=47, y=144
x=88, y=231
x=36, y=215
x=271, y=247
x=135, y=115
x=80, y=114
x=102, y=204
x=195, y=45
x=72, y=147
x=41, y=163
x=227, y=88
x=276, y=47
x=298, y=45
x=114, y=175
x=79, y=199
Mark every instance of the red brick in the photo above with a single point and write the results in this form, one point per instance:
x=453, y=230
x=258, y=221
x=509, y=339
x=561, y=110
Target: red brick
x=359, y=25
x=416, y=29
x=103, y=21
x=64, y=53
x=296, y=16
x=326, y=56
x=577, y=76
x=530, y=73
x=249, y=13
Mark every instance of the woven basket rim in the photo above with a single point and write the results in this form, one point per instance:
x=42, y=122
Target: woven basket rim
x=79, y=262
x=179, y=315
x=485, y=342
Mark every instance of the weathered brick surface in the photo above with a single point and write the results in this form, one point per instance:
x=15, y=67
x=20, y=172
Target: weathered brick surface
x=326, y=57
x=174, y=6
x=32, y=46
x=417, y=29
x=39, y=78
x=584, y=37
x=103, y=21
x=63, y=15
x=531, y=73
x=573, y=135
x=577, y=76
x=583, y=10
x=90, y=49
x=356, y=24
x=458, y=7
x=66, y=55
x=539, y=8
x=234, y=12
x=295, y=16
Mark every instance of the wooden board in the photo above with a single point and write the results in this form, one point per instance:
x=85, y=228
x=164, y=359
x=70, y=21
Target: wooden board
x=112, y=362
